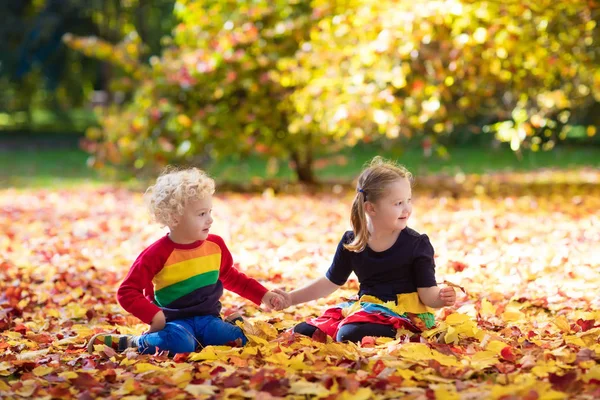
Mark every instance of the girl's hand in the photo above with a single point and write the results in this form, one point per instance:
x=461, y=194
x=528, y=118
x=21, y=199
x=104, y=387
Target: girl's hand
x=287, y=298
x=447, y=296
x=273, y=301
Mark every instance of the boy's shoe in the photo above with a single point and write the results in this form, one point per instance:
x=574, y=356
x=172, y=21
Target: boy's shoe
x=118, y=343
x=233, y=318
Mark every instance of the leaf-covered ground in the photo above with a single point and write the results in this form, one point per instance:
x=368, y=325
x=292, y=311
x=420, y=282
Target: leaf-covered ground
x=527, y=328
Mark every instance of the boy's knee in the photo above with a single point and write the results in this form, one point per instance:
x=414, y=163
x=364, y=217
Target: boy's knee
x=243, y=339
x=183, y=344
x=186, y=346
x=238, y=339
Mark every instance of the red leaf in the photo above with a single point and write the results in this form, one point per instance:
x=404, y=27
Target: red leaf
x=276, y=387
x=181, y=357
x=22, y=329
x=368, y=341
x=458, y=266
x=378, y=367
x=320, y=336
x=233, y=380
x=562, y=382
x=585, y=325
x=508, y=354
x=85, y=381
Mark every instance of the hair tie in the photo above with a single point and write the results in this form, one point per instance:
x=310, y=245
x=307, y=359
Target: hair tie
x=359, y=190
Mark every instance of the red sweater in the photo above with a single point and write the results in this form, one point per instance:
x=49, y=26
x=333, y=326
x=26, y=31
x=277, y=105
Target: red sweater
x=184, y=280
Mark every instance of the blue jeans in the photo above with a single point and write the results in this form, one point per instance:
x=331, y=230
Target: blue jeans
x=185, y=335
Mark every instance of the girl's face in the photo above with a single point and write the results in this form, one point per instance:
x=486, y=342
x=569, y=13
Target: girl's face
x=391, y=212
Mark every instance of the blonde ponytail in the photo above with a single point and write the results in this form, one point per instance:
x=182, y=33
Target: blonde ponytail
x=358, y=219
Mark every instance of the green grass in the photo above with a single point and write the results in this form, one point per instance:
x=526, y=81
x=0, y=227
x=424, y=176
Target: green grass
x=42, y=120
x=469, y=160
x=53, y=168
x=64, y=168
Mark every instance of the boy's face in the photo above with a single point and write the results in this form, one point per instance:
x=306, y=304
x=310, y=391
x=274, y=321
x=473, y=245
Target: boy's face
x=196, y=220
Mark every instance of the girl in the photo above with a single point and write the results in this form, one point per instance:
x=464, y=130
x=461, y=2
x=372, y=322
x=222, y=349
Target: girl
x=394, y=265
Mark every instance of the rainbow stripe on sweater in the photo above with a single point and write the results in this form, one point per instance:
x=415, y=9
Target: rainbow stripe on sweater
x=186, y=271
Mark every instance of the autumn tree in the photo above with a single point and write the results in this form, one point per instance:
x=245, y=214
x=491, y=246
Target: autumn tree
x=283, y=78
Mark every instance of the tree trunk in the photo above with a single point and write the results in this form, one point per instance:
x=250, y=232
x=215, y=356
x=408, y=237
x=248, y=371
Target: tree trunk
x=303, y=163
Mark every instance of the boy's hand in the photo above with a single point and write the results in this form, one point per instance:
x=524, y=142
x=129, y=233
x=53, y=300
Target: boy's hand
x=287, y=298
x=158, y=322
x=274, y=300
x=447, y=296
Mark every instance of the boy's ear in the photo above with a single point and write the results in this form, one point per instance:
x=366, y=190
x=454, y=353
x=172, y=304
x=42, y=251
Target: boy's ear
x=370, y=208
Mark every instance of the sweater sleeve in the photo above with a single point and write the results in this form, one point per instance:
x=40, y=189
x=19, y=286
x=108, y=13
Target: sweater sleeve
x=136, y=291
x=237, y=281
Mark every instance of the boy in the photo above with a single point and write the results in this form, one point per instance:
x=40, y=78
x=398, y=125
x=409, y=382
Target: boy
x=176, y=283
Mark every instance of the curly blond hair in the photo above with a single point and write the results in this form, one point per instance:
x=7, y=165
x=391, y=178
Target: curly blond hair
x=173, y=190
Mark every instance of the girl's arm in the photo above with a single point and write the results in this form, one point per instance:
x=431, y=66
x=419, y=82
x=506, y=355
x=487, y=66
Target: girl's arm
x=317, y=289
x=436, y=297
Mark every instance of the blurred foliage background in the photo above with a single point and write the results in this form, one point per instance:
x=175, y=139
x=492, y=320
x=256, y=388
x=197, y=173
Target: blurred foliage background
x=298, y=84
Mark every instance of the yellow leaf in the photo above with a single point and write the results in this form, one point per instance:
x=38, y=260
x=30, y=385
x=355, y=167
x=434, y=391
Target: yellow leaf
x=278, y=358
x=12, y=335
x=199, y=390
x=31, y=355
x=406, y=374
x=257, y=340
x=127, y=361
x=68, y=375
x=550, y=394
x=75, y=311
x=360, y=394
x=487, y=308
x=483, y=359
x=455, y=319
x=249, y=351
x=451, y=335
x=297, y=363
x=592, y=373
x=416, y=351
x=127, y=387
x=496, y=346
x=542, y=370
x=577, y=341
x=512, y=315
x=52, y=312
x=145, y=367
x=4, y=386
x=304, y=388
x=182, y=378
x=562, y=323
x=28, y=388
x=42, y=370
x=207, y=353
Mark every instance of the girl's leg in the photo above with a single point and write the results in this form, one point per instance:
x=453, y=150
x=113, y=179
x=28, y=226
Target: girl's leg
x=356, y=331
x=213, y=331
x=176, y=337
x=305, y=329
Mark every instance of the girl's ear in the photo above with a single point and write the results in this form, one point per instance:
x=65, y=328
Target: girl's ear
x=370, y=208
